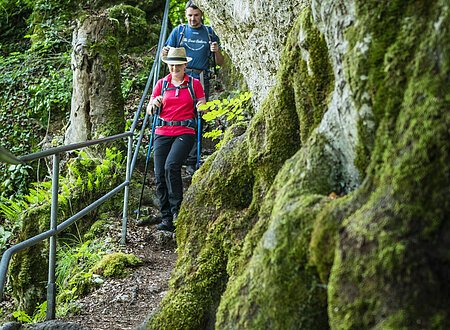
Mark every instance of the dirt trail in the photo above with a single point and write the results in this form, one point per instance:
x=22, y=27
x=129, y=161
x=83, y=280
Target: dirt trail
x=125, y=303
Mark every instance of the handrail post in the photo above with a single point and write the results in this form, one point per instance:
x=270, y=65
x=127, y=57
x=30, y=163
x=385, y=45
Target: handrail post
x=126, y=193
x=51, y=288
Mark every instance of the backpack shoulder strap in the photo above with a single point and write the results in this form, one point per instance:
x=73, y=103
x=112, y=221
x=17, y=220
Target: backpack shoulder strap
x=210, y=32
x=164, y=86
x=191, y=88
x=181, y=29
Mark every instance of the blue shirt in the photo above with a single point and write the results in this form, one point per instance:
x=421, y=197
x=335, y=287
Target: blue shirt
x=196, y=43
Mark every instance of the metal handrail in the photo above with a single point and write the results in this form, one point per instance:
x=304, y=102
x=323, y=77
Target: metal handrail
x=6, y=156
x=72, y=147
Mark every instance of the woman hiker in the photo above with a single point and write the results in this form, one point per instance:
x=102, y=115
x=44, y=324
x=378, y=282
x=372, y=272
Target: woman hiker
x=175, y=96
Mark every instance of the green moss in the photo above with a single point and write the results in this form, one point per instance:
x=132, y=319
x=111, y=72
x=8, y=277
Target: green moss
x=132, y=25
x=27, y=271
x=384, y=275
x=115, y=264
x=323, y=241
x=97, y=228
x=314, y=79
x=390, y=44
x=296, y=104
x=277, y=289
x=290, y=206
x=232, y=179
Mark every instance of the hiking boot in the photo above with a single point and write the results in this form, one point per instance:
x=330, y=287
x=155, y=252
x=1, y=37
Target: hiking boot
x=166, y=225
x=190, y=169
x=148, y=221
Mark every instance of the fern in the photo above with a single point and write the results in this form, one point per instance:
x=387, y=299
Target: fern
x=12, y=209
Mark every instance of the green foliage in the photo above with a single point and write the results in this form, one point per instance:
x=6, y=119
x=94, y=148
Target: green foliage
x=4, y=236
x=22, y=316
x=49, y=28
x=38, y=315
x=35, y=79
x=177, y=12
x=223, y=113
x=85, y=181
x=10, y=211
x=32, y=92
x=73, y=273
x=92, y=175
x=13, y=25
x=134, y=75
x=15, y=179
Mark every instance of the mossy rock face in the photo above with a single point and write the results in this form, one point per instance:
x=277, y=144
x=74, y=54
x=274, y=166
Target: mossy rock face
x=222, y=229
x=392, y=263
x=132, y=25
x=278, y=290
x=206, y=231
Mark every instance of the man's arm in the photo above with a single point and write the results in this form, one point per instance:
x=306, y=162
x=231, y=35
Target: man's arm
x=171, y=41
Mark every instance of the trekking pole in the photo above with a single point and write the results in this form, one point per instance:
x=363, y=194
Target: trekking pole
x=213, y=57
x=214, y=64
x=199, y=138
x=149, y=151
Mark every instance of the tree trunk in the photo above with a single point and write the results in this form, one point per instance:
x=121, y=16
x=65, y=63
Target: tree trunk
x=97, y=102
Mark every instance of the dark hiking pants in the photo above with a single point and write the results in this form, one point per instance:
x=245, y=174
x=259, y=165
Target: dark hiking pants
x=170, y=152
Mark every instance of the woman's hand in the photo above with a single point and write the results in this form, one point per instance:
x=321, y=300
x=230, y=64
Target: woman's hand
x=154, y=103
x=200, y=102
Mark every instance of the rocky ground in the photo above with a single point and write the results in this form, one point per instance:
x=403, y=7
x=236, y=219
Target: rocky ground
x=125, y=303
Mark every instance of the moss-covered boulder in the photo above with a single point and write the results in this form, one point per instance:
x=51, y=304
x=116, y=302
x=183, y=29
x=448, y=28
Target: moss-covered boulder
x=392, y=264
x=115, y=264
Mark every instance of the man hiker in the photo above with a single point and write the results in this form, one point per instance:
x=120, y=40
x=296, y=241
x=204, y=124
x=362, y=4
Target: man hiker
x=201, y=44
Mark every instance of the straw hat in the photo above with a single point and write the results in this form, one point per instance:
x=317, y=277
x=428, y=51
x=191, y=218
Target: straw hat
x=176, y=56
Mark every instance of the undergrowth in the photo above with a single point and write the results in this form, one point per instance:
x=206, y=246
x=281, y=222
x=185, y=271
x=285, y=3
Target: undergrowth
x=80, y=251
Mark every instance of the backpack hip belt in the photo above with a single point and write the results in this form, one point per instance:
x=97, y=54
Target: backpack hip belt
x=191, y=123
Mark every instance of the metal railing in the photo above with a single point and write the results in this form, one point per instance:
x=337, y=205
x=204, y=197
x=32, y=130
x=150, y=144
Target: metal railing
x=51, y=234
